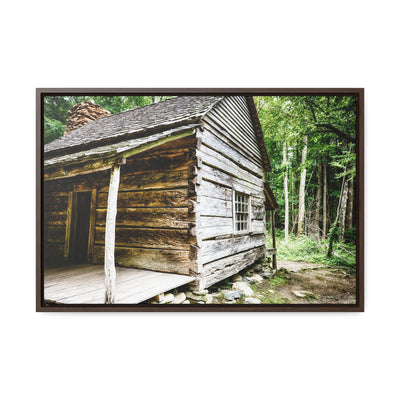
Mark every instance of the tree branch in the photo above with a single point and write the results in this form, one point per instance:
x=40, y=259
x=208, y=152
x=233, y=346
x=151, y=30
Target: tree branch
x=338, y=132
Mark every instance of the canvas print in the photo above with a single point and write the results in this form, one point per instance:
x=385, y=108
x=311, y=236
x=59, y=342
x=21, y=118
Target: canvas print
x=191, y=199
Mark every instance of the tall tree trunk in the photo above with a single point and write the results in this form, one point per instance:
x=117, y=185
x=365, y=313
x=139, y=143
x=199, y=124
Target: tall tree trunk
x=285, y=186
x=324, y=204
x=334, y=227
x=350, y=205
x=295, y=192
x=318, y=205
x=302, y=188
x=343, y=209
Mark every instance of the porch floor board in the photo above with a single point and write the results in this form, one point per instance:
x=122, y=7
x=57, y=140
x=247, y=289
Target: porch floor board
x=84, y=284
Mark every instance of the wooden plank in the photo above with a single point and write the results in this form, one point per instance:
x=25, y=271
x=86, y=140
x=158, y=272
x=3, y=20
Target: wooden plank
x=214, y=141
x=231, y=113
x=92, y=224
x=163, y=260
x=177, y=239
x=154, y=180
x=67, y=241
x=211, y=227
x=257, y=226
x=85, y=284
x=149, y=217
x=213, y=190
x=211, y=157
x=68, y=171
x=158, y=162
x=148, y=198
x=212, y=250
x=54, y=234
x=223, y=125
x=228, y=266
x=227, y=137
x=211, y=207
x=55, y=202
x=55, y=217
x=222, y=178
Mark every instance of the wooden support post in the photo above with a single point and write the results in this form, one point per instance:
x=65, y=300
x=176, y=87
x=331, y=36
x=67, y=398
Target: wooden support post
x=274, y=264
x=109, y=259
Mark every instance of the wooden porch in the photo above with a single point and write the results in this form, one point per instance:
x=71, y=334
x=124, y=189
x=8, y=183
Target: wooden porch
x=84, y=284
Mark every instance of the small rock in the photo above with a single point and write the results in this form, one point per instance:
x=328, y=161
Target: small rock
x=193, y=296
x=256, y=278
x=208, y=298
x=200, y=292
x=267, y=275
x=159, y=297
x=302, y=293
x=237, y=278
x=168, y=298
x=232, y=295
x=243, y=287
x=258, y=268
x=179, y=298
x=271, y=291
x=200, y=302
x=185, y=302
x=252, y=300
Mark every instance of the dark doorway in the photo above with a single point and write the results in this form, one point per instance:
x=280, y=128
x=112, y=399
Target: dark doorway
x=80, y=232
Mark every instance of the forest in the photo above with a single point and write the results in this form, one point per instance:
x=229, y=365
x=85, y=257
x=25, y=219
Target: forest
x=311, y=143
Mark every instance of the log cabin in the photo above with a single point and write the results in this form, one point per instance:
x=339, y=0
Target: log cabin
x=177, y=187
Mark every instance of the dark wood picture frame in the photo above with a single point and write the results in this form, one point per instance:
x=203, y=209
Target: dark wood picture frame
x=43, y=307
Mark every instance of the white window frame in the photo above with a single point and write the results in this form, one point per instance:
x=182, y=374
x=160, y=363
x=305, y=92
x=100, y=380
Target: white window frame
x=235, y=230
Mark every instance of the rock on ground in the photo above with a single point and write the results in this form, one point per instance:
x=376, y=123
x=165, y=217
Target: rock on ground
x=200, y=292
x=243, y=287
x=192, y=296
x=179, y=298
x=252, y=300
x=168, y=298
x=256, y=278
x=232, y=295
x=208, y=298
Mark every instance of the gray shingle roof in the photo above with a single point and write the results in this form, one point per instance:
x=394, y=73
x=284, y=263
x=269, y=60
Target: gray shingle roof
x=136, y=122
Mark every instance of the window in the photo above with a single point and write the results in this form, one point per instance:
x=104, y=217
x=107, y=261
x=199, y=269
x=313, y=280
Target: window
x=242, y=212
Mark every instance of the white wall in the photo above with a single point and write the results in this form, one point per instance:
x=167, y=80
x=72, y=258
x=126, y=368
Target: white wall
x=198, y=356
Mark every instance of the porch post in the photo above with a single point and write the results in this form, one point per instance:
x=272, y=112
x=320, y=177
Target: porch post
x=109, y=260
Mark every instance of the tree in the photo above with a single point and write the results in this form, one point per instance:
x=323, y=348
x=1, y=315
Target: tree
x=310, y=141
x=302, y=188
x=56, y=109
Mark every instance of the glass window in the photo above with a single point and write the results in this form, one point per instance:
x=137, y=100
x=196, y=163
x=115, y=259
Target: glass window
x=241, y=212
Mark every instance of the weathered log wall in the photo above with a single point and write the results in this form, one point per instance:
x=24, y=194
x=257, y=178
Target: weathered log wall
x=153, y=220
x=230, y=161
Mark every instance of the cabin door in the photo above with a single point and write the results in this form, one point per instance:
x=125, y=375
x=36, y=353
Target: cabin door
x=80, y=227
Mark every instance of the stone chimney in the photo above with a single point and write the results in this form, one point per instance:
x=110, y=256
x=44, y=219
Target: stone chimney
x=83, y=113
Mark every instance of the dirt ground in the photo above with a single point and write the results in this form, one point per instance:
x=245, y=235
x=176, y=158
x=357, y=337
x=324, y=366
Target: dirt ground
x=300, y=283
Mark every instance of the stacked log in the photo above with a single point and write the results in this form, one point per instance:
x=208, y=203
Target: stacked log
x=83, y=113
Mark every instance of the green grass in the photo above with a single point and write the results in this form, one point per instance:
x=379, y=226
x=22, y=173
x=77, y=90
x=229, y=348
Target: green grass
x=308, y=249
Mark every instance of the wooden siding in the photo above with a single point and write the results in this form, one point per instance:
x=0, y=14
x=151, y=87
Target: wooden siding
x=230, y=160
x=153, y=219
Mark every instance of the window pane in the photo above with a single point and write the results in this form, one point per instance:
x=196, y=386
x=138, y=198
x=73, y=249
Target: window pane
x=241, y=211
